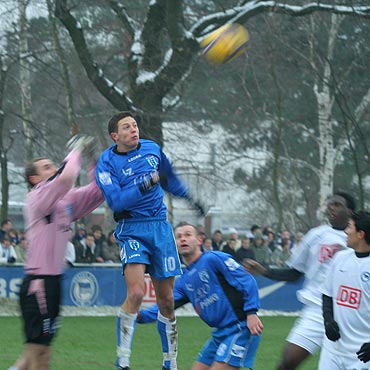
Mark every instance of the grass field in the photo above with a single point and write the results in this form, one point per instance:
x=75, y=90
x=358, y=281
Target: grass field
x=88, y=343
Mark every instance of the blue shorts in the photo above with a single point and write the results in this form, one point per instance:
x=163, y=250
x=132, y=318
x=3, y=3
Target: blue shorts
x=234, y=346
x=149, y=242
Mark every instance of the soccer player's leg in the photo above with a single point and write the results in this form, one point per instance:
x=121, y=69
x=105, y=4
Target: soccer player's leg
x=126, y=317
x=166, y=322
x=304, y=339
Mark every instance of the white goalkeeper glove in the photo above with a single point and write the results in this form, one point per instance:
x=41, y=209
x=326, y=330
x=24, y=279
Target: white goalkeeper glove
x=83, y=143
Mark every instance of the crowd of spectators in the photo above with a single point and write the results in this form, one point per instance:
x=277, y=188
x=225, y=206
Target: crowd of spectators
x=84, y=246
x=93, y=246
x=263, y=245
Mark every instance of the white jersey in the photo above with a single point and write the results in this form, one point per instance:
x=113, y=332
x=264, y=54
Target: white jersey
x=312, y=256
x=348, y=284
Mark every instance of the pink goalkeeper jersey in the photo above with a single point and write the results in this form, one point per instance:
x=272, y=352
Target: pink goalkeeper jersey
x=50, y=208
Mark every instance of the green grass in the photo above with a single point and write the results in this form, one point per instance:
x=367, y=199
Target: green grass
x=88, y=343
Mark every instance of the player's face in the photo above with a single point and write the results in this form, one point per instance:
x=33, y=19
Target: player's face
x=337, y=212
x=127, y=136
x=186, y=240
x=352, y=235
x=45, y=169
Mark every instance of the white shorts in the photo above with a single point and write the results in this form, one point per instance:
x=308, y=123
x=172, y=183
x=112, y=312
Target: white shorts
x=308, y=331
x=329, y=360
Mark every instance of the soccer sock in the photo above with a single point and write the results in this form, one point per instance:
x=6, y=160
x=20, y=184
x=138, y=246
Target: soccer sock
x=126, y=323
x=168, y=333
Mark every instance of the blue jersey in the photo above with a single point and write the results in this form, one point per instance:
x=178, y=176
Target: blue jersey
x=220, y=290
x=120, y=176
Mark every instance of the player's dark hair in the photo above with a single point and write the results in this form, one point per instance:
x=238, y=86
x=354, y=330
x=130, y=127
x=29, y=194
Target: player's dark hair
x=361, y=220
x=350, y=200
x=113, y=122
x=31, y=170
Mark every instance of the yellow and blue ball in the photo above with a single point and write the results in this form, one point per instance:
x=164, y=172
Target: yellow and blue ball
x=225, y=43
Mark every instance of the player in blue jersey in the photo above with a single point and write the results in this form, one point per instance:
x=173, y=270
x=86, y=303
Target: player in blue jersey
x=225, y=297
x=133, y=174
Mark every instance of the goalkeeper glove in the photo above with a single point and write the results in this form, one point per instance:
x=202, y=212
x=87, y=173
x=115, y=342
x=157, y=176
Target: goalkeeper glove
x=147, y=181
x=332, y=330
x=364, y=353
x=83, y=143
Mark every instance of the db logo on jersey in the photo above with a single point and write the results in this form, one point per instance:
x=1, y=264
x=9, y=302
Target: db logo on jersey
x=349, y=297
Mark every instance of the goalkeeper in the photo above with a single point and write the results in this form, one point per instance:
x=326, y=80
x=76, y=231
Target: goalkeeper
x=133, y=174
x=52, y=204
x=225, y=297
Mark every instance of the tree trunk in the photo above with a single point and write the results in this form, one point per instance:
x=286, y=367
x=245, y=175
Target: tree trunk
x=25, y=83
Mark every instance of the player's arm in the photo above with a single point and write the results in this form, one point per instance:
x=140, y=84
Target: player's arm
x=238, y=278
x=331, y=326
x=279, y=274
x=86, y=198
x=171, y=183
x=121, y=198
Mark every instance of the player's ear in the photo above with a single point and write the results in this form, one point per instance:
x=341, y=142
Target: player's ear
x=361, y=234
x=113, y=136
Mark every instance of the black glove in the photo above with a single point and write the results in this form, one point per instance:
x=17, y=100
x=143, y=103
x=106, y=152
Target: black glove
x=332, y=330
x=199, y=209
x=147, y=181
x=364, y=353
x=11, y=260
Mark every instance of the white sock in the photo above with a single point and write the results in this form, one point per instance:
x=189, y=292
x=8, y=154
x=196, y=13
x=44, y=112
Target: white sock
x=126, y=323
x=168, y=333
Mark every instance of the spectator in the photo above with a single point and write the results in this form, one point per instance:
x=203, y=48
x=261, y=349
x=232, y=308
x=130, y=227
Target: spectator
x=260, y=249
x=233, y=235
x=80, y=233
x=7, y=252
x=285, y=234
x=111, y=249
x=87, y=251
x=230, y=247
x=244, y=251
x=255, y=229
x=14, y=237
x=217, y=240
x=271, y=241
x=70, y=250
x=6, y=225
x=281, y=254
x=21, y=250
x=207, y=245
x=99, y=238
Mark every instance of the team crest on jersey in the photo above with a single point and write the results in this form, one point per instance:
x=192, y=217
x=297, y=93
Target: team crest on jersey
x=104, y=178
x=237, y=351
x=365, y=277
x=231, y=264
x=84, y=289
x=203, y=276
x=134, y=244
x=153, y=161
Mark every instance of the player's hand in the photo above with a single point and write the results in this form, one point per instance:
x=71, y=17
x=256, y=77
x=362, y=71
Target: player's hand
x=332, y=330
x=253, y=267
x=83, y=143
x=148, y=181
x=364, y=353
x=199, y=208
x=254, y=324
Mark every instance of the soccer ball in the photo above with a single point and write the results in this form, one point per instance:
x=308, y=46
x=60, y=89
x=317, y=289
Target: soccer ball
x=225, y=43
